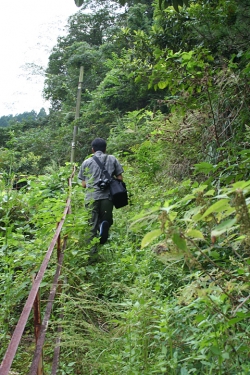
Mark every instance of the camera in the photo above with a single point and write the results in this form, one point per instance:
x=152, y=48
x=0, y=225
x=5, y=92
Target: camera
x=103, y=184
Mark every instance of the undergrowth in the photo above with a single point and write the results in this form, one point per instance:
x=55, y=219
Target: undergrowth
x=169, y=294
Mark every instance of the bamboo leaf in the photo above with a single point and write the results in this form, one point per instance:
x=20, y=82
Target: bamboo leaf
x=149, y=237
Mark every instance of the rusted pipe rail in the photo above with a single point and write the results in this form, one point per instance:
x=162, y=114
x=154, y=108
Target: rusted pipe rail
x=18, y=332
x=44, y=326
x=56, y=355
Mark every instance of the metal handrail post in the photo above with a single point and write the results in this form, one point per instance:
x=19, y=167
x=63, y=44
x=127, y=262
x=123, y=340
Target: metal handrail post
x=37, y=328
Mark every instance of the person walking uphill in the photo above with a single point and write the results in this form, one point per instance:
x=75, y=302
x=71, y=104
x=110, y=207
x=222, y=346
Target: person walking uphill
x=97, y=196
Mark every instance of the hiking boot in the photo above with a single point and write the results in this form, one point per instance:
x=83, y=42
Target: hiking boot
x=104, y=232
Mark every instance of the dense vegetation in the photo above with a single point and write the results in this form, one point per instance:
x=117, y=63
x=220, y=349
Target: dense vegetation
x=170, y=92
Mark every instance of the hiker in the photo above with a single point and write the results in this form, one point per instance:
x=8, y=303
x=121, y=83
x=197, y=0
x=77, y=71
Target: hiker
x=97, y=194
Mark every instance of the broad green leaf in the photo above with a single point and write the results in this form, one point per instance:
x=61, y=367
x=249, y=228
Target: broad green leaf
x=186, y=56
x=239, y=318
x=200, y=188
x=215, y=254
x=209, y=192
x=149, y=237
x=204, y=167
x=215, y=349
x=186, y=183
x=192, y=212
x=162, y=85
x=166, y=203
x=179, y=241
x=194, y=233
x=199, y=318
x=219, y=206
x=172, y=215
x=197, y=217
x=240, y=238
x=241, y=184
x=188, y=197
x=225, y=355
x=169, y=208
x=223, y=227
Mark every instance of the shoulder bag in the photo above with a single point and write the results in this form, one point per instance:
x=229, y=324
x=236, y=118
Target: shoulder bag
x=118, y=191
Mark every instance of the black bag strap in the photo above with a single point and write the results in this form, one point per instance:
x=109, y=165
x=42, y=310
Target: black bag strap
x=102, y=166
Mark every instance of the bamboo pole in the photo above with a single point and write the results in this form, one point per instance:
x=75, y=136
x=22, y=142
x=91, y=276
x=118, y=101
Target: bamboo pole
x=77, y=114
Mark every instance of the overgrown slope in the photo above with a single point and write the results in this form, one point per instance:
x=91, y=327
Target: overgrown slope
x=170, y=292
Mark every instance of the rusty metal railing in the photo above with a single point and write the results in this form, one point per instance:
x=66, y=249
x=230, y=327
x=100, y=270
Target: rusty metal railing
x=33, y=301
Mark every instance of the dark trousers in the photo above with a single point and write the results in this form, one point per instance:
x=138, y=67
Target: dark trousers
x=100, y=210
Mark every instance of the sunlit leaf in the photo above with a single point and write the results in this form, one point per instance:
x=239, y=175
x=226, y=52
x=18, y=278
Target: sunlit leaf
x=162, y=85
x=188, y=197
x=172, y=215
x=200, y=188
x=186, y=56
x=194, y=233
x=217, y=207
x=209, y=192
x=241, y=184
x=199, y=318
x=149, y=237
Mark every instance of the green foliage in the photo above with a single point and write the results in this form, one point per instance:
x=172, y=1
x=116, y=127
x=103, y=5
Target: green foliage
x=170, y=292
x=170, y=297
x=176, y=4
x=27, y=223
x=26, y=117
x=162, y=4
